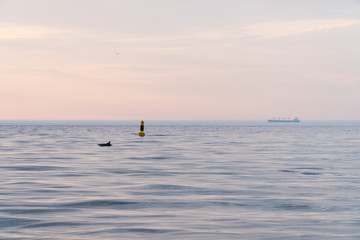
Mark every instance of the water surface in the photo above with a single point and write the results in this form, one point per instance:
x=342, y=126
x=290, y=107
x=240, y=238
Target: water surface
x=184, y=180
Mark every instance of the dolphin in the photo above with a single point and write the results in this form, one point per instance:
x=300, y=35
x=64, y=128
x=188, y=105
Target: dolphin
x=105, y=144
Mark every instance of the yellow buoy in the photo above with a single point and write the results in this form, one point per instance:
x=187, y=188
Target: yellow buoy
x=142, y=133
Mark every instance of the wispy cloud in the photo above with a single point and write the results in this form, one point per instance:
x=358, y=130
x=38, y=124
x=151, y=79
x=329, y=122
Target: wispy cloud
x=13, y=31
x=10, y=31
x=293, y=28
x=196, y=36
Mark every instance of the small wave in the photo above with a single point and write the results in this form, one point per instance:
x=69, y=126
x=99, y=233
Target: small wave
x=168, y=187
x=71, y=175
x=100, y=203
x=149, y=158
x=35, y=210
x=310, y=168
x=158, y=157
x=130, y=230
x=32, y=168
x=200, y=204
x=53, y=224
x=229, y=204
x=286, y=170
x=140, y=172
x=292, y=206
x=13, y=222
x=46, y=191
x=142, y=230
x=216, y=173
x=126, y=171
x=311, y=173
x=113, y=204
x=305, y=172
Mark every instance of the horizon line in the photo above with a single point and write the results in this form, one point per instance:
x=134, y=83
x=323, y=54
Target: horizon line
x=209, y=120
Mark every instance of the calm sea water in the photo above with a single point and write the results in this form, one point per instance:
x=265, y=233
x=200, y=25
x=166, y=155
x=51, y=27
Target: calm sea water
x=183, y=180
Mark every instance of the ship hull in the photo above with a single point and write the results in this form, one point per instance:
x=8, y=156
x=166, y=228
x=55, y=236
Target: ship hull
x=291, y=121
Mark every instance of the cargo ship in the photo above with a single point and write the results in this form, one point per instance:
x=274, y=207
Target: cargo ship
x=295, y=120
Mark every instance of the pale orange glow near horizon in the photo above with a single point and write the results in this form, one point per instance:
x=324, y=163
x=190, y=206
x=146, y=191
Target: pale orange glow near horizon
x=126, y=60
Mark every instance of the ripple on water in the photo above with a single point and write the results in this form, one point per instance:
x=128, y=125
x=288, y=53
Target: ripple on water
x=54, y=224
x=35, y=210
x=304, y=171
x=208, y=182
x=39, y=168
x=101, y=203
x=15, y=222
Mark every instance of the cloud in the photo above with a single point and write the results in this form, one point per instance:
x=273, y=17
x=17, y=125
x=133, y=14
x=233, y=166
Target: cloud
x=9, y=31
x=12, y=31
x=196, y=36
x=285, y=29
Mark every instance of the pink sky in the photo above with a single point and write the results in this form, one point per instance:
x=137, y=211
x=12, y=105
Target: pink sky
x=184, y=60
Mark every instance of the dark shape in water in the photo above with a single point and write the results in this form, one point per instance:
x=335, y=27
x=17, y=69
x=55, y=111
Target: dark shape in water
x=105, y=144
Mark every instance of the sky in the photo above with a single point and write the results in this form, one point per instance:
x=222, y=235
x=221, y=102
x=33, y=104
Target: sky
x=179, y=60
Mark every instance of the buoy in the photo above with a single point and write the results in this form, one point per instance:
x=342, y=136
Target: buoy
x=142, y=133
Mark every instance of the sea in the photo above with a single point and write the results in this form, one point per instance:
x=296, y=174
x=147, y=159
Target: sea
x=183, y=180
